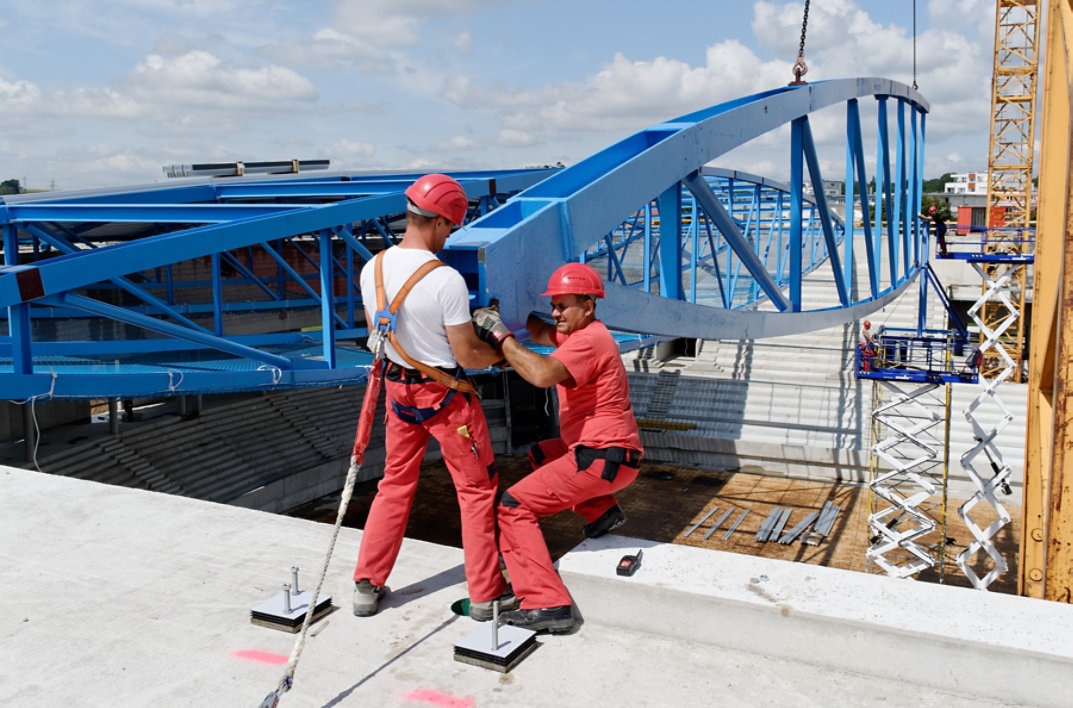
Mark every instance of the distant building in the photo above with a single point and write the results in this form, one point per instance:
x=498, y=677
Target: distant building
x=967, y=183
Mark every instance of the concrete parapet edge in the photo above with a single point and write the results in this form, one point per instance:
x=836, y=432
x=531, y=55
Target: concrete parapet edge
x=1004, y=647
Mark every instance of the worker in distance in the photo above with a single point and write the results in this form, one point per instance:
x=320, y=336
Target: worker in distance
x=597, y=454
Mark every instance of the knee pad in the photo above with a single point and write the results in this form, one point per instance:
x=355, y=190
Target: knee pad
x=536, y=455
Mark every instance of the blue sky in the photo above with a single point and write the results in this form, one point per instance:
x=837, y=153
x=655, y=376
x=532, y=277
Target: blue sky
x=107, y=92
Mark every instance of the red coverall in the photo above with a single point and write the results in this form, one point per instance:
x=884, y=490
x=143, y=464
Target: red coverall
x=462, y=432
x=471, y=464
x=594, y=412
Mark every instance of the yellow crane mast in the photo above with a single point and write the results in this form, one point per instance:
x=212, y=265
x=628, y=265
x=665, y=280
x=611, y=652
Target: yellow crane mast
x=1046, y=567
x=1013, y=118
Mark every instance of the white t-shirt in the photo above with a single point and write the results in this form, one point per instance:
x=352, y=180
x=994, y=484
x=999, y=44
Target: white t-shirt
x=438, y=300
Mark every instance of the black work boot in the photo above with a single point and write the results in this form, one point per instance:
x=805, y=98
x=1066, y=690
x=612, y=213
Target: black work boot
x=608, y=522
x=548, y=620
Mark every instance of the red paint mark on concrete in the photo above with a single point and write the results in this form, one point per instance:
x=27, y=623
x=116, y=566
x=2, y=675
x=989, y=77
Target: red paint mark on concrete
x=427, y=695
x=266, y=657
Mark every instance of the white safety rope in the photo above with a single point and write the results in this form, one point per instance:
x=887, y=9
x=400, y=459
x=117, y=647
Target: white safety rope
x=277, y=373
x=32, y=402
x=272, y=699
x=299, y=644
x=172, y=384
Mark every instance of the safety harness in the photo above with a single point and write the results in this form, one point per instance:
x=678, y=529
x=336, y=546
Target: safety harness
x=384, y=324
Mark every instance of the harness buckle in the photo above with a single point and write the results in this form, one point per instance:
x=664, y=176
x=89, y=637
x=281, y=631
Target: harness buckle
x=384, y=321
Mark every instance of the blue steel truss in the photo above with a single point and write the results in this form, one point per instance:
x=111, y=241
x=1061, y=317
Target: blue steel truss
x=657, y=171
x=239, y=284
x=208, y=286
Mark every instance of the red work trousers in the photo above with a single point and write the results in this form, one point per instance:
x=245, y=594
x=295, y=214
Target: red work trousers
x=555, y=485
x=462, y=432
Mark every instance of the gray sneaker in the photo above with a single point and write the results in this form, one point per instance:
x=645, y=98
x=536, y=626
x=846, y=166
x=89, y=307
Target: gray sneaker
x=482, y=611
x=366, y=598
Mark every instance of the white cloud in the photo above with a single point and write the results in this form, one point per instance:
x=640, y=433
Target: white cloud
x=627, y=94
x=368, y=35
x=331, y=49
x=172, y=44
x=198, y=79
x=463, y=43
x=92, y=102
x=17, y=96
x=457, y=142
x=974, y=16
x=350, y=154
x=509, y=137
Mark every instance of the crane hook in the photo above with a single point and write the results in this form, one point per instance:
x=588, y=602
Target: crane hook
x=800, y=69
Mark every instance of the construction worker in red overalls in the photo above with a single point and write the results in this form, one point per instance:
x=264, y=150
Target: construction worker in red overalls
x=867, y=347
x=429, y=339
x=598, y=451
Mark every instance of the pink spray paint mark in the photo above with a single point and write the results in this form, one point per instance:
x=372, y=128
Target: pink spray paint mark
x=427, y=695
x=266, y=657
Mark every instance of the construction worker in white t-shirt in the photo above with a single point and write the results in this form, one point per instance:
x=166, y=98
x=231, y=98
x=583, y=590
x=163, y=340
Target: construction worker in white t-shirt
x=428, y=394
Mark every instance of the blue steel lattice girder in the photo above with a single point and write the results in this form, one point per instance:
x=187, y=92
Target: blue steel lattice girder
x=53, y=282
x=85, y=268
x=228, y=227
x=215, y=342
x=901, y=197
x=856, y=173
x=558, y=219
x=670, y=246
x=813, y=162
x=734, y=238
x=797, y=127
x=64, y=246
x=885, y=205
x=752, y=216
x=477, y=183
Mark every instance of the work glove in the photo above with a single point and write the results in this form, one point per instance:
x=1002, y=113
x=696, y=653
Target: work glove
x=489, y=325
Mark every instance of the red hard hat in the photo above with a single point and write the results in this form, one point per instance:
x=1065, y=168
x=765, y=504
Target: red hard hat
x=440, y=195
x=867, y=324
x=932, y=208
x=575, y=279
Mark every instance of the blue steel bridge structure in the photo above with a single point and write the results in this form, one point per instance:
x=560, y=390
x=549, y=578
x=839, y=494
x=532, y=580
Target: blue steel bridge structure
x=219, y=285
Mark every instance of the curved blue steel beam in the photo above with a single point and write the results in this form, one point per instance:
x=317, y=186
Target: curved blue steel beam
x=560, y=218
x=694, y=228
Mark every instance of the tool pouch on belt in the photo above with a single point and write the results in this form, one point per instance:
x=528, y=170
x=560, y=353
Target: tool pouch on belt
x=613, y=458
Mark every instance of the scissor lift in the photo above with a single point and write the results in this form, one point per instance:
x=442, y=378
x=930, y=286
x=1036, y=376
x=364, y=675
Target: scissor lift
x=999, y=263
x=911, y=371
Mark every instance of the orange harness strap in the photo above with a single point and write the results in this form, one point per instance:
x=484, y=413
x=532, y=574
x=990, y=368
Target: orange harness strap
x=385, y=321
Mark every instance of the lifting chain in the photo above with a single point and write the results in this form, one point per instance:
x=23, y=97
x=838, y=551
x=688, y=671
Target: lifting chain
x=914, y=45
x=800, y=68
